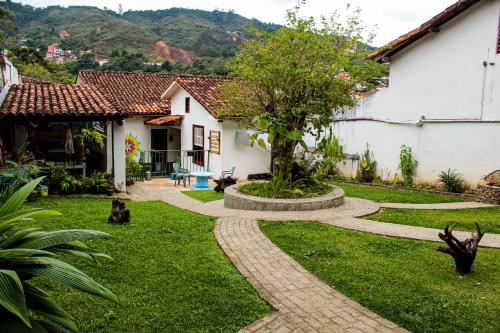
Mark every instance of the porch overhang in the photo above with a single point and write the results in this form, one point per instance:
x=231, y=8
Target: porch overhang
x=166, y=120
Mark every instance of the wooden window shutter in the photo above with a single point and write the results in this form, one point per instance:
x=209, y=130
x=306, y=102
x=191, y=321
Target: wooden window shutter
x=188, y=105
x=215, y=142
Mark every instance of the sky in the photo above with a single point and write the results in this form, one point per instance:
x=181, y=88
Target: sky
x=389, y=18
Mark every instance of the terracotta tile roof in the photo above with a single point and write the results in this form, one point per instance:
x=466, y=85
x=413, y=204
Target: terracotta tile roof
x=136, y=93
x=53, y=99
x=27, y=79
x=164, y=120
x=430, y=26
x=205, y=89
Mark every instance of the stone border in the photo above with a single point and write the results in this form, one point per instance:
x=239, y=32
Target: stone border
x=488, y=194
x=236, y=200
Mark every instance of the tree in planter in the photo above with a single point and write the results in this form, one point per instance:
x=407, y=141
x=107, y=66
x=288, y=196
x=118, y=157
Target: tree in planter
x=290, y=80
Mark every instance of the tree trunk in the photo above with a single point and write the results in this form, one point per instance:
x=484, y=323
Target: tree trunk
x=282, y=157
x=463, y=252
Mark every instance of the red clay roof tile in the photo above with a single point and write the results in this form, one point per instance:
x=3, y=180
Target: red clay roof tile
x=53, y=99
x=205, y=89
x=136, y=93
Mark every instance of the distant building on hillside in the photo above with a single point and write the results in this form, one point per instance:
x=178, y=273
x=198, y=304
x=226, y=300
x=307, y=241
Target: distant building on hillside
x=55, y=53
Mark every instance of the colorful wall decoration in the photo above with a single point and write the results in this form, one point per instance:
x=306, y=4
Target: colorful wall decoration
x=132, y=145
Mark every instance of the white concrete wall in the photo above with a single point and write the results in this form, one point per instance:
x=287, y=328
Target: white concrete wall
x=109, y=148
x=442, y=79
x=10, y=77
x=247, y=160
x=119, y=132
x=470, y=148
x=135, y=126
x=197, y=116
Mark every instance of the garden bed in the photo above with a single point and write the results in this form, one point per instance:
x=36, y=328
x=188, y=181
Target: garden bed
x=234, y=199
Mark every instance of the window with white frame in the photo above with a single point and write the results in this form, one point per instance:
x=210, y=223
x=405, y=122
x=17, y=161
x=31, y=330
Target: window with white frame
x=198, y=136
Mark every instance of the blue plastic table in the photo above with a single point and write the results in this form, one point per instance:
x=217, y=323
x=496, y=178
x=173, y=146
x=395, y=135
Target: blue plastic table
x=201, y=179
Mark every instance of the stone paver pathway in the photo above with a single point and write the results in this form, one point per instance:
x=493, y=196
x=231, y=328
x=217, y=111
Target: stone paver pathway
x=304, y=303
x=345, y=216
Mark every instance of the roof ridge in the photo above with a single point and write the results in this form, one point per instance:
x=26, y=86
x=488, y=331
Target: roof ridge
x=204, y=76
x=412, y=36
x=125, y=72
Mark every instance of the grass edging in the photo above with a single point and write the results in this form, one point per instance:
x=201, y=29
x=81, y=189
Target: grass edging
x=403, y=188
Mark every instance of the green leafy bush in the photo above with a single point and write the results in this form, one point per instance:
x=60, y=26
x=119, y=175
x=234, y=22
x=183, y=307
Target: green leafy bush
x=60, y=181
x=132, y=169
x=97, y=183
x=407, y=165
x=26, y=253
x=15, y=175
x=367, y=169
x=452, y=180
x=280, y=190
x=332, y=153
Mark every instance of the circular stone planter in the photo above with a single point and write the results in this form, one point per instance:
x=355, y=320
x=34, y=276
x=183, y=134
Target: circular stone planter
x=488, y=190
x=236, y=200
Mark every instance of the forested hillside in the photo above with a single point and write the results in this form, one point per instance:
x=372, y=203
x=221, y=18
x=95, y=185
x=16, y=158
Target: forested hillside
x=175, y=34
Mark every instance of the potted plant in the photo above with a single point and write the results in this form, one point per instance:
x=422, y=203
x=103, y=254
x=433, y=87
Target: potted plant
x=90, y=135
x=44, y=190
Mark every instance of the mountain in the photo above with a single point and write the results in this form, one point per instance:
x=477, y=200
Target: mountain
x=176, y=34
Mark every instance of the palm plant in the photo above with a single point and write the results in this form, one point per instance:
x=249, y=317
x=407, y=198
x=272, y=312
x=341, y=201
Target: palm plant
x=26, y=253
x=452, y=180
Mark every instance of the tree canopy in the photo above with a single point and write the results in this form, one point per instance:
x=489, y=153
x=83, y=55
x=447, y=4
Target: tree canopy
x=295, y=78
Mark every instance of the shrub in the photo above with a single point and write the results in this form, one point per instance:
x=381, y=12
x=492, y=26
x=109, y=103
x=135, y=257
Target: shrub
x=332, y=153
x=452, y=180
x=16, y=175
x=284, y=190
x=367, y=168
x=407, y=165
x=132, y=168
x=26, y=253
x=97, y=183
x=60, y=181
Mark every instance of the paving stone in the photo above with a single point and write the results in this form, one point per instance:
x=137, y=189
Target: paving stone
x=304, y=303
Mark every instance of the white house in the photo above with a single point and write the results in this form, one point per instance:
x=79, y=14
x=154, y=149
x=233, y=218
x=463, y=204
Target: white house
x=173, y=118
x=9, y=76
x=442, y=99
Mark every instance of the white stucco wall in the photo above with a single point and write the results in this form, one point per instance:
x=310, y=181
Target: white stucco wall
x=119, y=132
x=247, y=160
x=10, y=77
x=135, y=126
x=442, y=79
x=197, y=116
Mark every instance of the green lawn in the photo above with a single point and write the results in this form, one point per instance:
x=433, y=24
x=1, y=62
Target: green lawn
x=488, y=218
x=204, y=195
x=169, y=272
x=405, y=281
x=381, y=194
